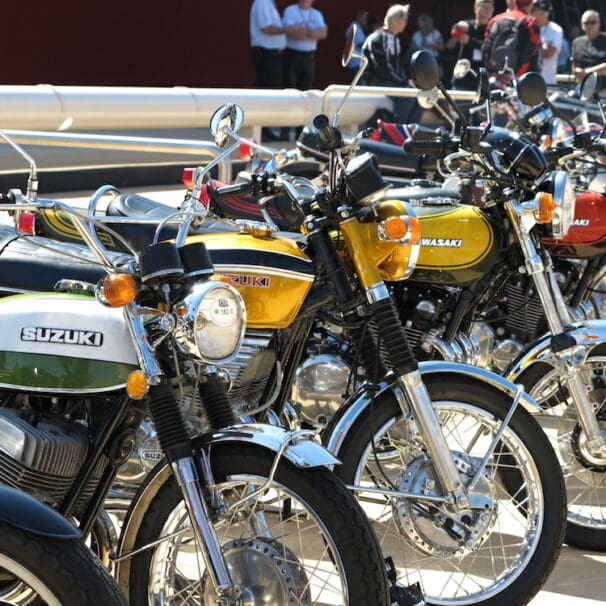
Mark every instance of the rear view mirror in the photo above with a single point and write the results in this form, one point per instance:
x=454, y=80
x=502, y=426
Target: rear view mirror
x=461, y=69
x=532, y=89
x=589, y=86
x=348, y=49
x=226, y=118
x=424, y=70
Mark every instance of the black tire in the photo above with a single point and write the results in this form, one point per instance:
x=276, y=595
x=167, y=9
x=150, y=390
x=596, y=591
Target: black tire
x=321, y=492
x=589, y=531
x=65, y=569
x=473, y=398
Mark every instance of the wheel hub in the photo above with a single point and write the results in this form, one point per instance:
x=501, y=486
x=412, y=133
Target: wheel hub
x=432, y=529
x=266, y=570
x=595, y=461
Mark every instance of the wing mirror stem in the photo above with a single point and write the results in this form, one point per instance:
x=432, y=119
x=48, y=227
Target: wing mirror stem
x=363, y=63
x=32, y=179
x=458, y=111
x=559, y=114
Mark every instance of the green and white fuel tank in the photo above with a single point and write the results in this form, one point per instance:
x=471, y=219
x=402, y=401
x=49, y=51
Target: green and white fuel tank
x=63, y=343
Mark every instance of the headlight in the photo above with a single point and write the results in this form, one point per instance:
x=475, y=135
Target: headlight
x=556, y=207
x=212, y=320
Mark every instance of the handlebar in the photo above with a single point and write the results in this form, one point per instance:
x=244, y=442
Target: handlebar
x=437, y=146
x=330, y=137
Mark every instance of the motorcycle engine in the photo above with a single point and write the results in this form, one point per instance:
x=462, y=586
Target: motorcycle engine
x=41, y=455
x=247, y=375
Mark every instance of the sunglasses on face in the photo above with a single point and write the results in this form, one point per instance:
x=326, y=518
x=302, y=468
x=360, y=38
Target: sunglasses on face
x=590, y=22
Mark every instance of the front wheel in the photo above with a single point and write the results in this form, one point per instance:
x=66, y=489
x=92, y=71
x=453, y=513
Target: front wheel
x=305, y=540
x=37, y=570
x=501, y=549
x=584, y=471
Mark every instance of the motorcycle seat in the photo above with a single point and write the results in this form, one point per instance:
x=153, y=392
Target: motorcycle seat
x=25, y=266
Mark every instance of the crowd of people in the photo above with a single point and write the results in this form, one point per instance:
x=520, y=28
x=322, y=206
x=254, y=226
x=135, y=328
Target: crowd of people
x=524, y=35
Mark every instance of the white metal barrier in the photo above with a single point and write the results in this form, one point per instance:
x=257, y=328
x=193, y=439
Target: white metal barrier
x=48, y=107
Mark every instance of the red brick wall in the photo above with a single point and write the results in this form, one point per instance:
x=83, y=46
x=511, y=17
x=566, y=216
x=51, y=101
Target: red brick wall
x=181, y=42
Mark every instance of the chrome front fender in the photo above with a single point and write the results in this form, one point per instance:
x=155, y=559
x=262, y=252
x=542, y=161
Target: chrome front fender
x=351, y=410
x=301, y=451
x=588, y=334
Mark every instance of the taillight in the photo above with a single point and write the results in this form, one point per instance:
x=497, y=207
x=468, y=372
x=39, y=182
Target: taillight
x=27, y=223
x=187, y=177
x=245, y=150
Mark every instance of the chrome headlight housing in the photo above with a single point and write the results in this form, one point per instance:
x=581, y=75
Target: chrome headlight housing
x=564, y=200
x=211, y=322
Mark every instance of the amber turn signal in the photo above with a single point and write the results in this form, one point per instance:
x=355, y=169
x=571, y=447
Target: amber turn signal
x=547, y=207
x=136, y=385
x=119, y=289
x=395, y=228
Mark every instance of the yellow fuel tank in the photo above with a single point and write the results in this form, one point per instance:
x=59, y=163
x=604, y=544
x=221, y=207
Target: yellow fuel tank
x=458, y=244
x=272, y=274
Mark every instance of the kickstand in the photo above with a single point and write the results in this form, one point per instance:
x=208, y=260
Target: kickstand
x=400, y=595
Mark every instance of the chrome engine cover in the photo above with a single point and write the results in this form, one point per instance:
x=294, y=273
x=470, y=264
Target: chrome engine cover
x=318, y=389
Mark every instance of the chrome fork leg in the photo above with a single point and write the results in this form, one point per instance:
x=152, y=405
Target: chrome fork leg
x=429, y=424
x=187, y=478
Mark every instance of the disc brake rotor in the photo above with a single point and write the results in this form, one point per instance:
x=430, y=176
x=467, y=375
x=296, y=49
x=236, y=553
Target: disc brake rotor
x=430, y=528
x=267, y=570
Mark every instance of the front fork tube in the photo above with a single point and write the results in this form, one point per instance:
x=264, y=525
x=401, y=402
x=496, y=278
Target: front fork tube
x=415, y=393
x=187, y=477
x=429, y=423
x=558, y=317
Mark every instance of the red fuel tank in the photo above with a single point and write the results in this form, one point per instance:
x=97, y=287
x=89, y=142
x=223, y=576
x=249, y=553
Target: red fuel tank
x=586, y=237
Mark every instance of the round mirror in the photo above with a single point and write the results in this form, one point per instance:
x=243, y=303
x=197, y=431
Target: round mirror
x=424, y=70
x=461, y=68
x=483, y=88
x=348, y=49
x=227, y=117
x=589, y=86
x=532, y=89
x=427, y=98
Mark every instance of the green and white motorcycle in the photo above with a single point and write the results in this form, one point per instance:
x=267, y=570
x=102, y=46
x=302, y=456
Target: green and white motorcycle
x=245, y=514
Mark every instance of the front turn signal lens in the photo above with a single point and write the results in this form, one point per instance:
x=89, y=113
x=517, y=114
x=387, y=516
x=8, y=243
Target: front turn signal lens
x=401, y=228
x=395, y=228
x=119, y=289
x=547, y=207
x=136, y=385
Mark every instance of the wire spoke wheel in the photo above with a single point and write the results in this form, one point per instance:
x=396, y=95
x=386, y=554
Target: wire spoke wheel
x=301, y=540
x=584, y=472
x=457, y=558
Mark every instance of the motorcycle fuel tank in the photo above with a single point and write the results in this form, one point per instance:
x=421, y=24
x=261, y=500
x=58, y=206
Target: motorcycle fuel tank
x=458, y=244
x=586, y=237
x=63, y=343
x=272, y=274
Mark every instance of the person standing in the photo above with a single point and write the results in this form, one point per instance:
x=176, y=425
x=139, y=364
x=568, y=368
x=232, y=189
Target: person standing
x=385, y=59
x=361, y=21
x=299, y=56
x=552, y=36
x=524, y=54
x=427, y=37
x=468, y=36
x=589, y=51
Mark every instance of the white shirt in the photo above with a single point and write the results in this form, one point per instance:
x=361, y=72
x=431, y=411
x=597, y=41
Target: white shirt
x=310, y=18
x=553, y=34
x=420, y=41
x=264, y=13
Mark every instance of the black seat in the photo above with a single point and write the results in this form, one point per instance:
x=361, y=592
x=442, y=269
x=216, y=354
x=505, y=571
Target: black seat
x=25, y=266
